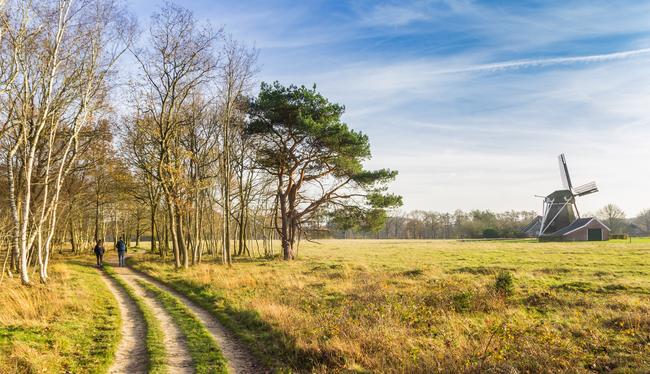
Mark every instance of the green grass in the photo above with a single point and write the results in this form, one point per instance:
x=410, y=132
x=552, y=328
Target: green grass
x=274, y=349
x=70, y=325
x=428, y=306
x=205, y=352
x=155, y=344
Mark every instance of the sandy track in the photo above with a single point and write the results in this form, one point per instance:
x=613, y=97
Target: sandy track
x=179, y=359
x=131, y=355
x=240, y=360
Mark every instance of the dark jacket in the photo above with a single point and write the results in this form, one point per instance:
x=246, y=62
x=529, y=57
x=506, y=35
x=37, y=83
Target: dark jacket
x=99, y=249
x=121, y=247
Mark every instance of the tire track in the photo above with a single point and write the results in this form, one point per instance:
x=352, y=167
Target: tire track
x=131, y=355
x=179, y=359
x=239, y=358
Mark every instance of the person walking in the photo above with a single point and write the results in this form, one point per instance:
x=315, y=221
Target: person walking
x=99, y=252
x=121, y=250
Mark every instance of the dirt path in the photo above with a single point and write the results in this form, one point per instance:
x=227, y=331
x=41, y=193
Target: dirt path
x=240, y=360
x=131, y=355
x=178, y=355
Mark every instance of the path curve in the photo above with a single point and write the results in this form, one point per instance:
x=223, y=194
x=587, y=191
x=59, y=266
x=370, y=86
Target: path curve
x=178, y=355
x=131, y=355
x=239, y=359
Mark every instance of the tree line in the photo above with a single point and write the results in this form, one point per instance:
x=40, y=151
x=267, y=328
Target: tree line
x=177, y=147
x=420, y=224
x=475, y=224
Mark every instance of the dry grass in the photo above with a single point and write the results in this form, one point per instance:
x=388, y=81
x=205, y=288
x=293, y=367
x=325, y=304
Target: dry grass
x=432, y=306
x=34, y=306
x=69, y=325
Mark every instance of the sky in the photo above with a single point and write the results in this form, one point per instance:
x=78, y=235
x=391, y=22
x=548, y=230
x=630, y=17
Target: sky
x=471, y=101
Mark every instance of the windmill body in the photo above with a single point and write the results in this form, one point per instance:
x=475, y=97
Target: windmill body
x=560, y=216
x=559, y=211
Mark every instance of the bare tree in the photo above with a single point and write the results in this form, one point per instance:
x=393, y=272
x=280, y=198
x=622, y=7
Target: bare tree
x=235, y=80
x=613, y=216
x=177, y=63
x=643, y=220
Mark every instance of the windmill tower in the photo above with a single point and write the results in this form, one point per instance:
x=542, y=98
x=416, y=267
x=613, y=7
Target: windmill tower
x=560, y=208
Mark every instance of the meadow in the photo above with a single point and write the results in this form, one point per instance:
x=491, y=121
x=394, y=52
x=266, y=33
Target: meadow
x=435, y=306
x=70, y=325
x=370, y=306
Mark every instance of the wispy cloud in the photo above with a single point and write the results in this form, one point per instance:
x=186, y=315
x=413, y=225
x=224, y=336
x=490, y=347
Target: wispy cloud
x=543, y=62
x=395, y=15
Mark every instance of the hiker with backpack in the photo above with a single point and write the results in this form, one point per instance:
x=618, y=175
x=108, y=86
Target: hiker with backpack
x=121, y=251
x=99, y=252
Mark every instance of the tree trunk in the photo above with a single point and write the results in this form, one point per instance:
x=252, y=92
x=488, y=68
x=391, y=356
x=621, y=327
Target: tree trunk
x=174, y=236
x=285, y=230
x=226, y=257
x=96, y=219
x=180, y=238
x=153, y=230
x=73, y=242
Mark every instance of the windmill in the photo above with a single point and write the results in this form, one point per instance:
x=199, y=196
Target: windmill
x=560, y=208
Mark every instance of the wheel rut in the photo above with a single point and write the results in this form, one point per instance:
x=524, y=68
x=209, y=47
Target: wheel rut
x=179, y=359
x=131, y=355
x=239, y=358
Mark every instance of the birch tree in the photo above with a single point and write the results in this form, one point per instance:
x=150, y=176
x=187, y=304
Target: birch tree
x=62, y=54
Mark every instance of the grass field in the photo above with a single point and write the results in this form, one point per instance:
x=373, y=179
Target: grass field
x=70, y=325
x=433, y=306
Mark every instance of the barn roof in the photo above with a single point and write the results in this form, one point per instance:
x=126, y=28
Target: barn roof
x=575, y=225
x=535, y=222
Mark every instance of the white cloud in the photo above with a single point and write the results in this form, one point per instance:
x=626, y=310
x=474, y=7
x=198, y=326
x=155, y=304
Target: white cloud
x=395, y=15
x=499, y=159
x=543, y=62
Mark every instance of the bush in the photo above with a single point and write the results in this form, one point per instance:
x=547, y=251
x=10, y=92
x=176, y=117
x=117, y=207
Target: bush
x=462, y=301
x=504, y=283
x=490, y=233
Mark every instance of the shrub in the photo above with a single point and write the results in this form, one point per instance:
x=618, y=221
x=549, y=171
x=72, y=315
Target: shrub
x=462, y=301
x=490, y=233
x=504, y=283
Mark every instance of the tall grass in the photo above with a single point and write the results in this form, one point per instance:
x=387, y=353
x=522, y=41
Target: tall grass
x=436, y=306
x=69, y=325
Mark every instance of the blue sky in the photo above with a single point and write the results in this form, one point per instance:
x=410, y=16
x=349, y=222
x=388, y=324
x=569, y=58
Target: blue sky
x=471, y=101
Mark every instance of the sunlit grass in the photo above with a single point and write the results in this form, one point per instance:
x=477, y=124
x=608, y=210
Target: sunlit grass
x=69, y=325
x=423, y=306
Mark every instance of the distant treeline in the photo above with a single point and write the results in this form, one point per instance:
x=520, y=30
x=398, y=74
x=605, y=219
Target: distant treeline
x=421, y=224
x=476, y=224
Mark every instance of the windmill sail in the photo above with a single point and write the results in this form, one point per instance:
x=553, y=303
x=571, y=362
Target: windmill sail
x=564, y=173
x=585, y=189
